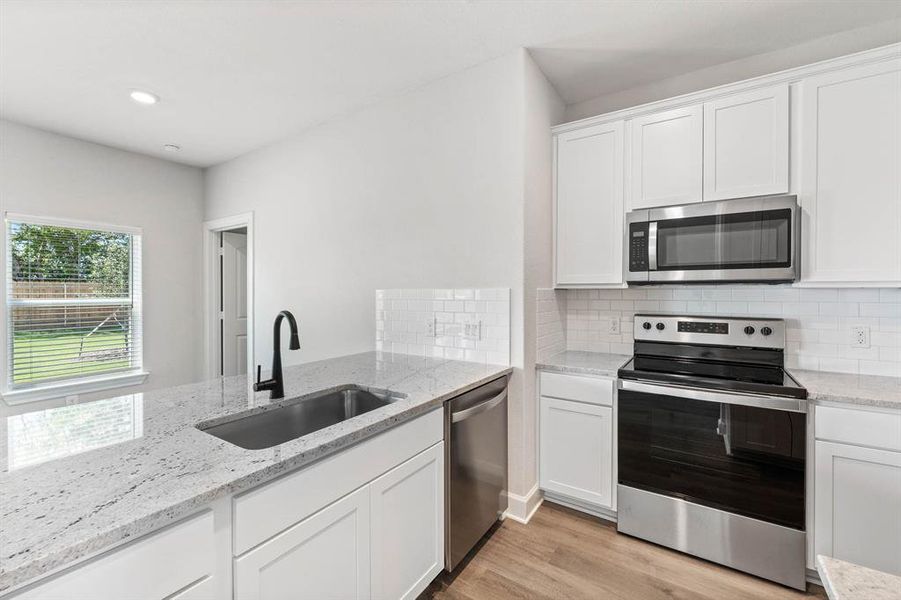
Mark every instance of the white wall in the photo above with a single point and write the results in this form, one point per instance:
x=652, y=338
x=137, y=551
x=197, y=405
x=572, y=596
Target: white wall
x=420, y=191
x=832, y=46
x=542, y=108
x=46, y=174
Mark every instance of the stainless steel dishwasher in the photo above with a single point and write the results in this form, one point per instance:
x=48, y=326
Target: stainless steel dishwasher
x=475, y=434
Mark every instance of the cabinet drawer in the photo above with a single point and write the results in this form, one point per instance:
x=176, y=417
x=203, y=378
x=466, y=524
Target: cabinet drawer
x=576, y=387
x=152, y=568
x=859, y=426
x=267, y=510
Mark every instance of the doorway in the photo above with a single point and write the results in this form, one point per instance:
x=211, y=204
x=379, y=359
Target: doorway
x=228, y=285
x=233, y=302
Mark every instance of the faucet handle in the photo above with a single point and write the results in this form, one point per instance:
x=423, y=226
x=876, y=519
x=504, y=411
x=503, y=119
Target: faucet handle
x=259, y=372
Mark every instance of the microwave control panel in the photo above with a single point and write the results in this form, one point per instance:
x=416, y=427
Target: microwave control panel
x=638, y=246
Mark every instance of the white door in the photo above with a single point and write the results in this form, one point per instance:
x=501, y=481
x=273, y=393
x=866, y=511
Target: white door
x=666, y=158
x=408, y=526
x=858, y=505
x=746, y=144
x=589, y=205
x=234, y=303
x=850, y=174
x=324, y=556
x=576, y=450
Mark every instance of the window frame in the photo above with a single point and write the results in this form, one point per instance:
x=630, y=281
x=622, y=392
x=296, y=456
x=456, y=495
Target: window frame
x=78, y=384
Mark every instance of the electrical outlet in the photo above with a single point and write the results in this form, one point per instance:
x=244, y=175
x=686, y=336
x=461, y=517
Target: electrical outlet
x=613, y=325
x=473, y=330
x=430, y=328
x=860, y=337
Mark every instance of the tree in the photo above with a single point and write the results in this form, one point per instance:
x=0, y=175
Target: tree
x=50, y=253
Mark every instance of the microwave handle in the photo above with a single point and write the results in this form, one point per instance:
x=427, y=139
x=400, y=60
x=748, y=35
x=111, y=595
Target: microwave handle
x=652, y=246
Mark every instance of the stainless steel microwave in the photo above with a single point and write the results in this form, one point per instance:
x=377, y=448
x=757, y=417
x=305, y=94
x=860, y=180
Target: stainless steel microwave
x=746, y=240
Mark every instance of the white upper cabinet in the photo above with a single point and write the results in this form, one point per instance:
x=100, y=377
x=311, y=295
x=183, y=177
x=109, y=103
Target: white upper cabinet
x=851, y=174
x=746, y=144
x=666, y=158
x=589, y=206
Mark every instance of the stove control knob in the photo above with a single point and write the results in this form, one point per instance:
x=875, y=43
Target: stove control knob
x=660, y=326
x=766, y=330
x=646, y=325
x=749, y=330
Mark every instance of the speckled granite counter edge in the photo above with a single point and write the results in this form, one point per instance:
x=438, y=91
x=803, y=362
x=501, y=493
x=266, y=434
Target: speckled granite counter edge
x=862, y=583
x=551, y=365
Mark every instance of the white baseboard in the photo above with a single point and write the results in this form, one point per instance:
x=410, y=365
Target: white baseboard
x=813, y=576
x=521, y=508
x=595, y=511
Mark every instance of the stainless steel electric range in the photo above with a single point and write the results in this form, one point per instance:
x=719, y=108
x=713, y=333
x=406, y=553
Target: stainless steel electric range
x=711, y=443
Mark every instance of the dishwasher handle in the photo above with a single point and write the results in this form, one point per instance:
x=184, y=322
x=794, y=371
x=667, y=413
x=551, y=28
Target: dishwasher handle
x=478, y=408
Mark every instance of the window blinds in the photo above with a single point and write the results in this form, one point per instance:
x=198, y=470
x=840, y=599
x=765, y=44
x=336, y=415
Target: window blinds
x=73, y=298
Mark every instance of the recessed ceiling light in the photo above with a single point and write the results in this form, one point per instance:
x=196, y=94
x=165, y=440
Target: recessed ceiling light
x=171, y=148
x=142, y=97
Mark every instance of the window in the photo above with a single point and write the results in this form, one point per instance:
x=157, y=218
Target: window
x=73, y=300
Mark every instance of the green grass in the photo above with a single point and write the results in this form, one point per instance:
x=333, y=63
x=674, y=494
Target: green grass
x=71, y=357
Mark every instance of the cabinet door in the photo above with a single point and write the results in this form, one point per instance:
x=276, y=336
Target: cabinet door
x=576, y=450
x=858, y=505
x=323, y=556
x=179, y=561
x=746, y=144
x=408, y=526
x=589, y=205
x=666, y=158
x=850, y=178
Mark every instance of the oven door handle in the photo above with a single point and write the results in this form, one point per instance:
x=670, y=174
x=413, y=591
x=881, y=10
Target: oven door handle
x=770, y=402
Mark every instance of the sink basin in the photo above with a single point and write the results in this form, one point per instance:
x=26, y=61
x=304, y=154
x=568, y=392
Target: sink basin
x=299, y=417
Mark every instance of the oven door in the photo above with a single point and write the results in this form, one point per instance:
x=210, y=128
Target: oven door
x=737, y=453
x=752, y=239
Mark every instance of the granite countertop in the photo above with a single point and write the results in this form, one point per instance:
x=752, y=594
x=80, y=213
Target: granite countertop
x=847, y=581
x=866, y=390
x=77, y=479
x=584, y=363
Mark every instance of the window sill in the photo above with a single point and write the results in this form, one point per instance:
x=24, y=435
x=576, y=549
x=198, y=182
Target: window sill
x=80, y=386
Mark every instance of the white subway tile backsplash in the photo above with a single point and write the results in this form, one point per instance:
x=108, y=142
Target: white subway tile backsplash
x=819, y=295
x=716, y=294
x=462, y=324
x=880, y=309
x=890, y=295
x=781, y=294
x=818, y=321
x=839, y=309
x=731, y=308
x=858, y=295
x=745, y=293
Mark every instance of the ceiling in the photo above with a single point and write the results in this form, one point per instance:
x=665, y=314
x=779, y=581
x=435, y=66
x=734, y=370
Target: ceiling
x=234, y=76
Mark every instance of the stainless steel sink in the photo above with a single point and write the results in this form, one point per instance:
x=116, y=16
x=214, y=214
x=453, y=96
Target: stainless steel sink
x=299, y=417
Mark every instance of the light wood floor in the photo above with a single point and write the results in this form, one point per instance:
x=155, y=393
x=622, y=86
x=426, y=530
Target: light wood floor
x=563, y=554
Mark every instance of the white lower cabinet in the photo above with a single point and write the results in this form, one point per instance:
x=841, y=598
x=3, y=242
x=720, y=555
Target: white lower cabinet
x=385, y=541
x=576, y=454
x=407, y=535
x=857, y=509
x=325, y=556
x=177, y=562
